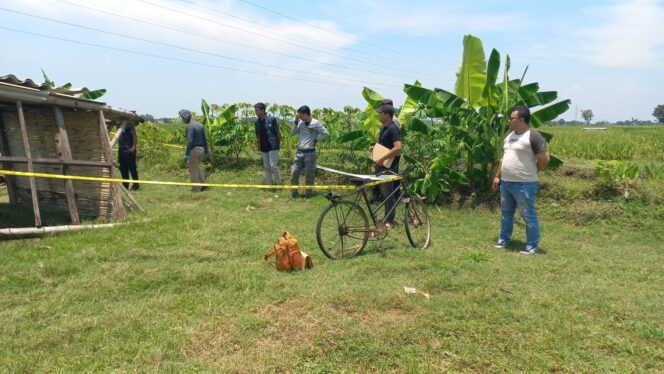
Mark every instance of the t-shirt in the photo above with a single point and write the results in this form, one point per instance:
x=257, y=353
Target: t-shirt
x=519, y=161
x=126, y=140
x=389, y=134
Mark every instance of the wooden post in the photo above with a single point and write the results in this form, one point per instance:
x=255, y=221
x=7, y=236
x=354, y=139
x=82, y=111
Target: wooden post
x=4, y=151
x=118, y=206
x=62, y=143
x=28, y=155
x=117, y=134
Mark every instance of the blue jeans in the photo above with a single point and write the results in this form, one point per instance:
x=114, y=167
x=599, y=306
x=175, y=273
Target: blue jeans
x=519, y=195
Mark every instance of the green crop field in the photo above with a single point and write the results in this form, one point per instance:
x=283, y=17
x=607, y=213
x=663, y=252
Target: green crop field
x=636, y=143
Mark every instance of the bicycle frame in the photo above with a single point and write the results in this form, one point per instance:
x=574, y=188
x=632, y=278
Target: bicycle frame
x=363, y=192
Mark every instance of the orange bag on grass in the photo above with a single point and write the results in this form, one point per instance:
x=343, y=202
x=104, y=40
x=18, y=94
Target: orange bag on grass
x=288, y=254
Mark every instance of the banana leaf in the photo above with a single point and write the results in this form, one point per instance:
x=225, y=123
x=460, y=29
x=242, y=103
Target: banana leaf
x=471, y=77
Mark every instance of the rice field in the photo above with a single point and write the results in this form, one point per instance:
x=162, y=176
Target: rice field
x=625, y=143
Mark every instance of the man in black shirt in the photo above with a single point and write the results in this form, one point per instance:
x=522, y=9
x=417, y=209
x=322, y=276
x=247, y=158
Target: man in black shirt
x=390, y=138
x=127, y=146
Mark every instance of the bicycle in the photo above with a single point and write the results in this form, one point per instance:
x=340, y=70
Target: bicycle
x=343, y=229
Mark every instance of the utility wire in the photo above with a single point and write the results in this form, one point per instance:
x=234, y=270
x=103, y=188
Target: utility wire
x=327, y=76
x=177, y=59
x=328, y=30
x=253, y=23
x=198, y=17
x=221, y=40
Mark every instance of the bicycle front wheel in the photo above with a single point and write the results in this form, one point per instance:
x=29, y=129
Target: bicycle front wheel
x=342, y=230
x=418, y=226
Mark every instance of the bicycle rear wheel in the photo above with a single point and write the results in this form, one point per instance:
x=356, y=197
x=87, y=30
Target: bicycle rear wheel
x=342, y=230
x=418, y=226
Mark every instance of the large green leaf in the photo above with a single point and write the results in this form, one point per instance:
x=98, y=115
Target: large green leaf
x=229, y=113
x=528, y=90
x=471, y=76
x=410, y=106
x=372, y=97
x=420, y=126
x=350, y=136
x=372, y=122
x=541, y=98
x=442, y=162
x=549, y=113
x=491, y=74
x=420, y=94
x=554, y=162
x=505, y=102
x=47, y=81
x=205, y=109
x=93, y=95
x=546, y=135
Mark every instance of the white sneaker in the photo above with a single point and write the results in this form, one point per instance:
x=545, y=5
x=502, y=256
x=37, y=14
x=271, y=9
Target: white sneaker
x=501, y=244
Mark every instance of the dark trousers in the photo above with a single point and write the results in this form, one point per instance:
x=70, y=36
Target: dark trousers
x=128, y=165
x=387, y=188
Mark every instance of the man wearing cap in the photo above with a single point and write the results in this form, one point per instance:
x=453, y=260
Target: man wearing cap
x=310, y=131
x=390, y=138
x=269, y=137
x=197, y=149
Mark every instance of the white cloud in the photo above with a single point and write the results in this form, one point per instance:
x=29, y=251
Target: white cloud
x=430, y=18
x=631, y=34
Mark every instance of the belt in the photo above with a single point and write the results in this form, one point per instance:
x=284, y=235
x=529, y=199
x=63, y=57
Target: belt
x=306, y=150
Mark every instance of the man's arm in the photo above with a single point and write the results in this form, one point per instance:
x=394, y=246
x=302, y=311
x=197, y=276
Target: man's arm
x=295, y=128
x=190, y=140
x=322, y=132
x=392, y=152
x=542, y=160
x=496, y=180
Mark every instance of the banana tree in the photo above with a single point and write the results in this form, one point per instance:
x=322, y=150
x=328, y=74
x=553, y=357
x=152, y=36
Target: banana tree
x=475, y=115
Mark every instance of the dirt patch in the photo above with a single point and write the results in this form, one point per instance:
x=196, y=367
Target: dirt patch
x=575, y=171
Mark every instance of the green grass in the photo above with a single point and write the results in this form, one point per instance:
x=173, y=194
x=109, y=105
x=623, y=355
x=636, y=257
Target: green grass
x=638, y=143
x=183, y=287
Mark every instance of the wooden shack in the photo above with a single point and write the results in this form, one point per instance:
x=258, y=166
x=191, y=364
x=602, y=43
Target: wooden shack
x=50, y=130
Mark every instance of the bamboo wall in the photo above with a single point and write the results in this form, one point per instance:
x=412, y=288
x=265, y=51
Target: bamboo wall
x=93, y=199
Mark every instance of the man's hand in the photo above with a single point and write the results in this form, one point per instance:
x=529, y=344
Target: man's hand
x=496, y=184
x=132, y=150
x=379, y=162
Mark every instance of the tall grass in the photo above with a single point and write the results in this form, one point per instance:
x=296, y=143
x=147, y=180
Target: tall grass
x=635, y=143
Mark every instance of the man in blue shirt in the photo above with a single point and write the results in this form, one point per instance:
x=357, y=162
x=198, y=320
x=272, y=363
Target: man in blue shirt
x=269, y=137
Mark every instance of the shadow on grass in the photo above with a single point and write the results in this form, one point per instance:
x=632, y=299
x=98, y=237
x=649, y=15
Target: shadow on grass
x=17, y=215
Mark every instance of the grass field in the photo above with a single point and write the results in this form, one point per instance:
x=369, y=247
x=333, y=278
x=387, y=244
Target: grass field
x=183, y=287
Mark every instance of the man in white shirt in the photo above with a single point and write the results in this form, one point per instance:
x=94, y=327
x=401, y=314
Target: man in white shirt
x=524, y=155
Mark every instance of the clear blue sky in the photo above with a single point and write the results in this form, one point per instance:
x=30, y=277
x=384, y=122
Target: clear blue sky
x=607, y=56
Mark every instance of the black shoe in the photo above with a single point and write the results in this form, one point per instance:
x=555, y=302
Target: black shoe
x=135, y=187
x=204, y=188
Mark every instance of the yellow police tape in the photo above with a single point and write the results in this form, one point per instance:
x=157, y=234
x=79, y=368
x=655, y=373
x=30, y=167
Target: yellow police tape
x=224, y=185
x=173, y=146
